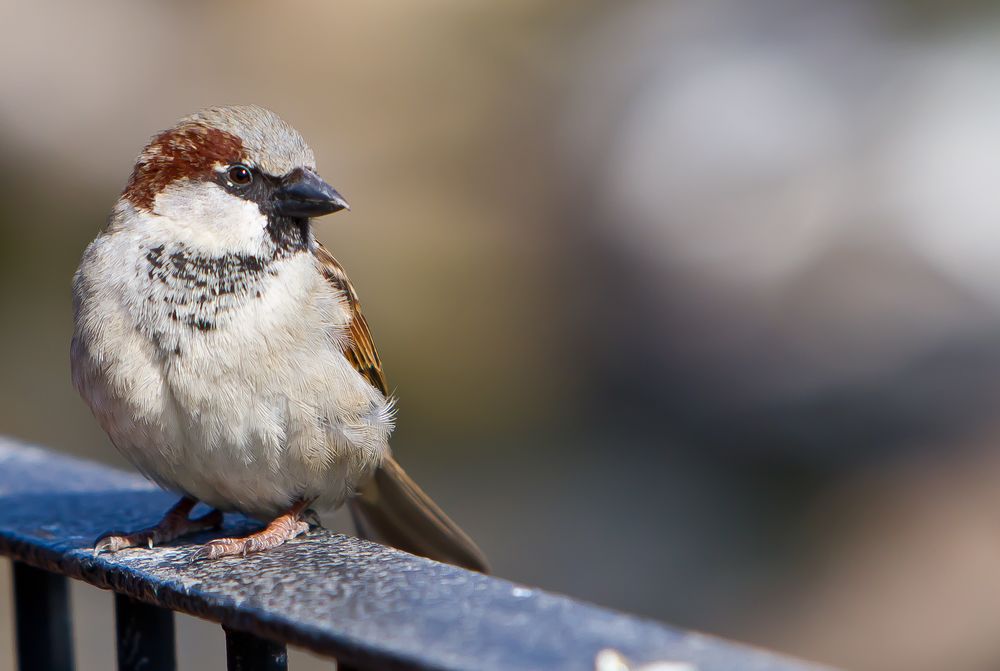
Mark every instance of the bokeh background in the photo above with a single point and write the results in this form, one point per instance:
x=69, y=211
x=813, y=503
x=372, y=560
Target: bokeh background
x=692, y=308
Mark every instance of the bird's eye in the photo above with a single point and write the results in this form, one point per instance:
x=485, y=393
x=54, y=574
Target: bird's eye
x=240, y=175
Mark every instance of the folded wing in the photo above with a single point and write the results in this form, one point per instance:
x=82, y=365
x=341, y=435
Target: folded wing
x=389, y=507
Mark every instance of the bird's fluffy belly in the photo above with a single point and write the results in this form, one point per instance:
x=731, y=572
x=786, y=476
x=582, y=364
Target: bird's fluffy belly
x=250, y=414
x=254, y=443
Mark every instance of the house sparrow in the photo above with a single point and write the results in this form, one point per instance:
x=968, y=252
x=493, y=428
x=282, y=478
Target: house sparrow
x=223, y=349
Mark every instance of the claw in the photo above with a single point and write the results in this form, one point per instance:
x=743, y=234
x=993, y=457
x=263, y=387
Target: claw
x=113, y=541
x=109, y=542
x=211, y=550
x=312, y=517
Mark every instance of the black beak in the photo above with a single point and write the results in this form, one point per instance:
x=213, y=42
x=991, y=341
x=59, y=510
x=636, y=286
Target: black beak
x=303, y=194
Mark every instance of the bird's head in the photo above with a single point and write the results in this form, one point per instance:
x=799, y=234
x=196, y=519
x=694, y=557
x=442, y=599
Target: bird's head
x=232, y=178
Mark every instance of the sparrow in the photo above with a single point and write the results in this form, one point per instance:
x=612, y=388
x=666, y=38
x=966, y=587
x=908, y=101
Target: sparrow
x=224, y=351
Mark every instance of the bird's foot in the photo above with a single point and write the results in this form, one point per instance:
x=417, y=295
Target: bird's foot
x=283, y=528
x=174, y=524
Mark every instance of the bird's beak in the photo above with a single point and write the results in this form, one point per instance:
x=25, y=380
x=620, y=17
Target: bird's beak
x=303, y=194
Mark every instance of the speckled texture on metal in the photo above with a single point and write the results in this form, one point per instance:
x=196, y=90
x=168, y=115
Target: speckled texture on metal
x=362, y=603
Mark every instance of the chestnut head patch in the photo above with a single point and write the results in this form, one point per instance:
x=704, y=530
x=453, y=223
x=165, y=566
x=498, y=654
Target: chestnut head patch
x=189, y=151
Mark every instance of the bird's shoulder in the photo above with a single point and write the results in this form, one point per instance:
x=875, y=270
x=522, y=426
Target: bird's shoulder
x=361, y=350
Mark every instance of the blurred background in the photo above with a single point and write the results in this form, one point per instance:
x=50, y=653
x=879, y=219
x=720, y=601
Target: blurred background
x=692, y=308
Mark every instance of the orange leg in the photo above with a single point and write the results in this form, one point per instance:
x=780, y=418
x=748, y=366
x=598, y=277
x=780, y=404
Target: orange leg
x=174, y=524
x=283, y=528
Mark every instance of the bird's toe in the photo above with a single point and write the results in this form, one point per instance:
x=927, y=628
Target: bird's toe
x=114, y=541
x=221, y=547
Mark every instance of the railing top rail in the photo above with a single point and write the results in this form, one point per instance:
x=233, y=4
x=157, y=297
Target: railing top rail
x=336, y=595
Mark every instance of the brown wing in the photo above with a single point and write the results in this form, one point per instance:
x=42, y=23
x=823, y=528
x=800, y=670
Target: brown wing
x=389, y=507
x=361, y=351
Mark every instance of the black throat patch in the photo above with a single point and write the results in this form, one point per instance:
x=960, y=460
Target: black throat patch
x=195, y=290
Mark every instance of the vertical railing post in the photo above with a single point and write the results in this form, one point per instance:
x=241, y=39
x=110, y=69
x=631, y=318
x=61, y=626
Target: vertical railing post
x=246, y=652
x=41, y=608
x=145, y=636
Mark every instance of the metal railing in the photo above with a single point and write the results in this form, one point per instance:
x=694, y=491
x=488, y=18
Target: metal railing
x=362, y=604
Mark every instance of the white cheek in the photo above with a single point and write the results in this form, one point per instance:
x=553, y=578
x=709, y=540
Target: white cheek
x=206, y=217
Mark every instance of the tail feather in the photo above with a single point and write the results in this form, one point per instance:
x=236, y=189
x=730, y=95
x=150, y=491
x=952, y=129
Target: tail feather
x=391, y=509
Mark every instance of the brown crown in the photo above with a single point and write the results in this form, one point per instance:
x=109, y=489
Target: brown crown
x=190, y=152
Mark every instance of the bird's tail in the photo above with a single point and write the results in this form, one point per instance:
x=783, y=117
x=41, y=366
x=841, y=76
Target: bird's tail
x=391, y=509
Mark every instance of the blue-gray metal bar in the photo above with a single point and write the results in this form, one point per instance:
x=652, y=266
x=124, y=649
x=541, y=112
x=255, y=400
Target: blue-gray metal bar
x=358, y=602
x=144, y=635
x=246, y=652
x=41, y=608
